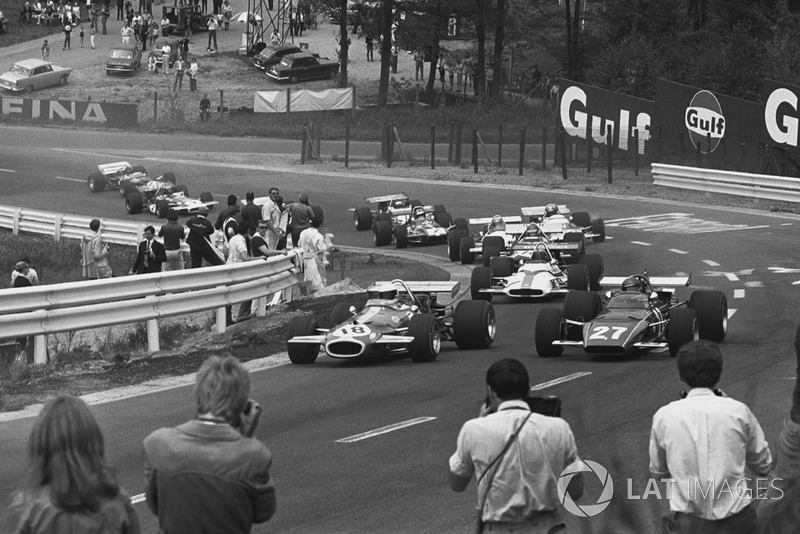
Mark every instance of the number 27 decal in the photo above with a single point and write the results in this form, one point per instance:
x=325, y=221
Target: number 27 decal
x=602, y=332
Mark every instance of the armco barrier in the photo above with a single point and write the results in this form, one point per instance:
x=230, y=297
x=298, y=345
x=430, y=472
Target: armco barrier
x=61, y=225
x=779, y=188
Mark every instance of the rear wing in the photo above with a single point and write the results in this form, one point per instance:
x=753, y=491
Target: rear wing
x=661, y=281
x=537, y=211
x=560, y=246
x=113, y=168
x=387, y=198
x=449, y=286
x=487, y=220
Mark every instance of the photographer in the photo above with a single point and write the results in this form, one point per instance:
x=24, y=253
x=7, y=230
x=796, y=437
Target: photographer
x=210, y=474
x=516, y=456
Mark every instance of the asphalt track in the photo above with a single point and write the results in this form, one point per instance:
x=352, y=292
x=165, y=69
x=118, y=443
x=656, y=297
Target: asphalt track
x=407, y=416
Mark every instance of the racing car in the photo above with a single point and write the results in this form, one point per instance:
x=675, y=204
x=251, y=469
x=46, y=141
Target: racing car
x=123, y=176
x=163, y=198
x=364, y=216
x=494, y=239
x=420, y=225
x=559, y=224
x=399, y=317
x=532, y=271
x=633, y=318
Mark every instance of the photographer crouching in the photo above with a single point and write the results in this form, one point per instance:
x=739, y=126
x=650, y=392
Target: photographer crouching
x=516, y=456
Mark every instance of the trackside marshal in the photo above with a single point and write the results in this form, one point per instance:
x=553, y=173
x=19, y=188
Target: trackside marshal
x=109, y=114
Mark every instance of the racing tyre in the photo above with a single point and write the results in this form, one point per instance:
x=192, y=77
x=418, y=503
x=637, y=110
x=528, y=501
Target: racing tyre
x=549, y=327
x=594, y=262
x=169, y=177
x=481, y=278
x=581, y=218
x=461, y=223
x=454, y=237
x=580, y=306
x=502, y=266
x=206, y=196
x=182, y=189
x=134, y=203
x=599, y=228
x=383, y=216
x=439, y=208
x=578, y=278
x=413, y=203
x=362, y=218
x=341, y=313
x=445, y=220
x=682, y=329
x=302, y=353
x=382, y=231
x=126, y=188
x=162, y=209
x=319, y=214
x=401, y=236
x=711, y=308
x=488, y=254
x=96, y=182
x=138, y=168
x=427, y=339
x=474, y=325
x=494, y=241
x=467, y=256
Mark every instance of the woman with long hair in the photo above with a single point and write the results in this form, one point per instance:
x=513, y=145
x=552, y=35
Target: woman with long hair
x=70, y=486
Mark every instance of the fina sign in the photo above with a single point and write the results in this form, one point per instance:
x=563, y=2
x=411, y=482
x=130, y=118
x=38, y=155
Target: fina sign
x=107, y=114
x=704, y=120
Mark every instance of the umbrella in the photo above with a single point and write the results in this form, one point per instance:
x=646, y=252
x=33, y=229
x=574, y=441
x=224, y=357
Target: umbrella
x=244, y=16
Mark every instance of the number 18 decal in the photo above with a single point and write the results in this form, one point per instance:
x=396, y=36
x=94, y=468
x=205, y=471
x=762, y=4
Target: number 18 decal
x=601, y=332
x=354, y=330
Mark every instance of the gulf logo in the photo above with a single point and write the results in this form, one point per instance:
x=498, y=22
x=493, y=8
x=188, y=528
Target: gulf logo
x=703, y=117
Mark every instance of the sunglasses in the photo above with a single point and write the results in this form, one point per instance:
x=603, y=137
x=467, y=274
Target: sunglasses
x=263, y=227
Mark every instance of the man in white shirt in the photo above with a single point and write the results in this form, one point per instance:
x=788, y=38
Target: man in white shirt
x=237, y=253
x=702, y=443
x=271, y=215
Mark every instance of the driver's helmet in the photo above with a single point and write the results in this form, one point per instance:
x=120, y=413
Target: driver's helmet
x=497, y=224
x=633, y=283
x=399, y=202
x=550, y=210
x=383, y=291
x=418, y=212
x=540, y=256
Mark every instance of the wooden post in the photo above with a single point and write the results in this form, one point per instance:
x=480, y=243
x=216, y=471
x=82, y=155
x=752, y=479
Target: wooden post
x=40, y=349
x=433, y=146
x=609, y=149
x=221, y=104
x=708, y=150
x=698, y=153
x=500, y=145
x=636, y=151
x=544, y=148
x=450, y=142
x=384, y=142
x=521, y=150
x=347, y=145
x=304, y=147
x=390, y=146
x=416, y=99
x=562, y=145
x=155, y=105
x=318, y=131
x=475, y=150
x=589, y=152
x=458, y=143
x=288, y=100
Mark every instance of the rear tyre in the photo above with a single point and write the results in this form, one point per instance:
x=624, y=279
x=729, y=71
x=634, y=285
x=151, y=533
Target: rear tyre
x=466, y=255
x=382, y=231
x=599, y=228
x=427, y=339
x=96, y=182
x=488, y=254
x=494, y=241
x=293, y=80
x=362, y=219
x=182, y=189
x=206, y=196
x=401, y=237
x=581, y=218
x=461, y=223
x=439, y=208
x=62, y=81
x=502, y=266
x=319, y=214
x=481, y=278
x=454, y=237
x=138, y=168
x=445, y=220
x=474, y=325
x=578, y=278
x=711, y=308
x=341, y=313
x=548, y=329
x=302, y=353
x=594, y=262
x=169, y=177
x=414, y=203
x=162, y=209
x=683, y=328
x=126, y=188
x=134, y=203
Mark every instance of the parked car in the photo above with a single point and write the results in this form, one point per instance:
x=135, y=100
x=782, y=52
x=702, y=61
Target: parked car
x=300, y=67
x=125, y=58
x=30, y=74
x=270, y=56
x=158, y=50
x=181, y=16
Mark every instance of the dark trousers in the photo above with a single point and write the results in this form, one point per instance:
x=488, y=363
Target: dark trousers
x=296, y=235
x=198, y=254
x=212, y=34
x=742, y=523
x=193, y=83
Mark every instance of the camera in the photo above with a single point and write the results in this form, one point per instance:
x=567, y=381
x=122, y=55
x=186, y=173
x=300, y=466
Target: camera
x=549, y=405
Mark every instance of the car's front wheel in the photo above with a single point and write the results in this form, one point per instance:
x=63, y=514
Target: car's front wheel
x=427, y=339
x=474, y=325
x=96, y=182
x=549, y=327
x=134, y=203
x=302, y=353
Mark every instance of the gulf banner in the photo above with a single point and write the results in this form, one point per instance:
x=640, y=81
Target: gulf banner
x=586, y=111
x=108, y=114
x=781, y=115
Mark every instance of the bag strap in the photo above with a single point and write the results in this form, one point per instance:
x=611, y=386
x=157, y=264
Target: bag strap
x=495, y=461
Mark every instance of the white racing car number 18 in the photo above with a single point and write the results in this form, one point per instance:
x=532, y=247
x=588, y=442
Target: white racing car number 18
x=353, y=330
x=602, y=332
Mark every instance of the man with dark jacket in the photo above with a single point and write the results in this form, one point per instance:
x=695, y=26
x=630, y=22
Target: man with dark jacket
x=251, y=214
x=199, y=240
x=230, y=209
x=150, y=254
x=173, y=233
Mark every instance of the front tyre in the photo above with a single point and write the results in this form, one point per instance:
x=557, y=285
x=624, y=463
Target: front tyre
x=454, y=237
x=302, y=353
x=362, y=219
x=427, y=339
x=711, y=308
x=549, y=327
x=683, y=328
x=481, y=278
x=474, y=325
x=96, y=182
x=134, y=203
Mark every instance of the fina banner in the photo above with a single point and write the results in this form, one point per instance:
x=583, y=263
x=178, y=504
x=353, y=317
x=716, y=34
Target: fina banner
x=303, y=100
x=586, y=110
x=697, y=113
x=780, y=124
x=112, y=115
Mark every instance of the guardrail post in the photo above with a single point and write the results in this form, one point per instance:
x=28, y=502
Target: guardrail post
x=304, y=146
x=152, y=336
x=544, y=148
x=221, y=105
x=708, y=151
x=40, y=349
x=318, y=132
x=636, y=152
x=57, y=226
x=500, y=145
x=609, y=149
x=220, y=325
x=261, y=306
x=15, y=217
x=347, y=145
x=433, y=146
x=155, y=105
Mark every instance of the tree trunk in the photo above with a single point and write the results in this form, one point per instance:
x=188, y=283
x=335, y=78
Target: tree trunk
x=499, y=37
x=570, y=51
x=386, y=52
x=343, y=43
x=480, y=30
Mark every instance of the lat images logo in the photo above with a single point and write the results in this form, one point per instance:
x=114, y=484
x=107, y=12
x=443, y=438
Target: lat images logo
x=586, y=510
x=704, y=117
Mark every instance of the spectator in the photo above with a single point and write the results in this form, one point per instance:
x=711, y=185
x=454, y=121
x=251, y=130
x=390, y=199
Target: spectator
x=271, y=215
x=104, y=14
x=45, y=51
x=165, y=26
x=395, y=54
x=238, y=252
x=178, y=83
x=150, y=254
x=370, y=40
x=144, y=30
x=173, y=234
x=283, y=223
x=275, y=38
x=94, y=253
x=230, y=210
x=205, y=106
x=250, y=214
x=136, y=26
x=199, y=240
x=419, y=64
x=67, y=34
x=71, y=487
x=227, y=13
x=94, y=13
x=166, y=52
x=315, y=256
x=23, y=274
x=259, y=244
x=209, y=474
x=212, y=33
x=300, y=215
x=441, y=71
x=80, y=33
x=519, y=495
x=92, y=33
x=155, y=30
x=183, y=48
x=193, y=71
x=120, y=9
x=536, y=79
x=126, y=32
x=152, y=63
x=707, y=438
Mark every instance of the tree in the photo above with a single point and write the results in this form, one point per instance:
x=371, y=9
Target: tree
x=386, y=20
x=499, y=37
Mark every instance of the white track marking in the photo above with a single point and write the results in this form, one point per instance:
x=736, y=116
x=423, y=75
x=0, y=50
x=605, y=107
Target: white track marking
x=136, y=499
x=711, y=263
x=676, y=251
x=573, y=376
x=7, y=170
x=640, y=243
x=786, y=224
x=69, y=179
x=384, y=430
x=731, y=311
x=797, y=283
x=732, y=277
x=754, y=283
x=676, y=223
x=738, y=293
x=783, y=270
